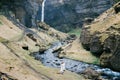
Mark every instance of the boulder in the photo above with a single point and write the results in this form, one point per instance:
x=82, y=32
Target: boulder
x=89, y=73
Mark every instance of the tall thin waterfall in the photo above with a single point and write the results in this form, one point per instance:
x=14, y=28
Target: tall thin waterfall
x=43, y=9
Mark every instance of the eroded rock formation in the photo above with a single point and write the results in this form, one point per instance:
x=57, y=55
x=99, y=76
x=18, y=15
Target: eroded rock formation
x=60, y=14
x=102, y=37
x=69, y=14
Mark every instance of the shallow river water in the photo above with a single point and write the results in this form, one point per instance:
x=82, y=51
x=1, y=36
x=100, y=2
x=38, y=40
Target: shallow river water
x=48, y=58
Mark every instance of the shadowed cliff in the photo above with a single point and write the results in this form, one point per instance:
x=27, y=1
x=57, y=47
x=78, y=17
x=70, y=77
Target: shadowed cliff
x=102, y=37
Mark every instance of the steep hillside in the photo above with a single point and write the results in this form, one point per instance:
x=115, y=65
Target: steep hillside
x=16, y=44
x=102, y=37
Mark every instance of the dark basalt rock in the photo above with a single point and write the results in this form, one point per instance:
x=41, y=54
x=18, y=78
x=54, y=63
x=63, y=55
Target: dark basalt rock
x=25, y=47
x=117, y=8
x=60, y=14
x=85, y=38
x=4, y=76
x=96, y=46
x=31, y=36
x=105, y=39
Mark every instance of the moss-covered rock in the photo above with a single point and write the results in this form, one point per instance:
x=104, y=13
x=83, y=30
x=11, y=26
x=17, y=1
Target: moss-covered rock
x=102, y=37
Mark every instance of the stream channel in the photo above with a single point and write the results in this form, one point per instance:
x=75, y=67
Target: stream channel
x=50, y=59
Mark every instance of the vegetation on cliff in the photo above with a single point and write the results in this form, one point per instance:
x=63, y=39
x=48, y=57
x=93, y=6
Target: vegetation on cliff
x=116, y=1
x=102, y=37
x=18, y=42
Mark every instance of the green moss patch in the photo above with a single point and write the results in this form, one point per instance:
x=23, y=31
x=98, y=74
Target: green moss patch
x=76, y=31
x=0, y=23
x=3, y=40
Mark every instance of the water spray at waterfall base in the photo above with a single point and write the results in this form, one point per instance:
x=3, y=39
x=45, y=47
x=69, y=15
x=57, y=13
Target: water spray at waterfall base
x=43, y=11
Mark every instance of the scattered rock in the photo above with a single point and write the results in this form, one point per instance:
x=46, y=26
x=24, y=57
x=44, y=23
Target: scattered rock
x=4, y=76
x=87, y=21
x=43, y=26
x=72, y=37
x=25, y=47
x=32, y=37
x=89, y=73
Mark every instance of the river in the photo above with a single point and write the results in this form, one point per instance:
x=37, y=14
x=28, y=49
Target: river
x=50, y=59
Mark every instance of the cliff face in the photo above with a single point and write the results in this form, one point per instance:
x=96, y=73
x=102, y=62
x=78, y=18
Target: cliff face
x=102, y=37
x=71, y=13
x=58, y=13
x=23, y=10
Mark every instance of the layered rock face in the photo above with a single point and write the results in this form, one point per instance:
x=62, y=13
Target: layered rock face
x=69, y=14
x=102, y=37
x=58, y=13
x=26, y=11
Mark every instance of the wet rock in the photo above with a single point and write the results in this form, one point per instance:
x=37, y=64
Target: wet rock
x=89, y=73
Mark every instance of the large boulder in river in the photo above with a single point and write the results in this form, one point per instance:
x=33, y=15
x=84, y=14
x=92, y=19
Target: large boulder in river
x=89, y=73
x=102, y=37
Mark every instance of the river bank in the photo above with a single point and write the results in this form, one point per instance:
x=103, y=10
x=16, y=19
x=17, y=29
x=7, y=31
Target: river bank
x=16, y=44
x=49, y=59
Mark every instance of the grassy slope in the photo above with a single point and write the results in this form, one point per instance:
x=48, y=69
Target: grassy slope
x=17, y=62
x=75, y=31
x=77, y=52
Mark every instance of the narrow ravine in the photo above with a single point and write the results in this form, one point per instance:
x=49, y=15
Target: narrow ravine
x=48, y=58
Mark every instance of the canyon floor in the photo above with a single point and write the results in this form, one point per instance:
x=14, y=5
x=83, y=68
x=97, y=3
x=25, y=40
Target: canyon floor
x=15, y=60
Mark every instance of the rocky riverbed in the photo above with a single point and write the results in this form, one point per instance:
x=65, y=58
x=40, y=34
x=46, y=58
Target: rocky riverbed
x=48, y=58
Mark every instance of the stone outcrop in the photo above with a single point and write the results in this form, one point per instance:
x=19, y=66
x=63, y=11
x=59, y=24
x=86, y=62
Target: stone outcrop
x=89, y=73
x=26, y=11
x=4, y=76
x=102, y=37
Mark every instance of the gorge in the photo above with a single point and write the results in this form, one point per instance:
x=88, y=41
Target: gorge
x=32, y=50
x=58, y=13
x=49, y=59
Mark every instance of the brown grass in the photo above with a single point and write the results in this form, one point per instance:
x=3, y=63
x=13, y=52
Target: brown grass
x=77, y=52
x=17, y=62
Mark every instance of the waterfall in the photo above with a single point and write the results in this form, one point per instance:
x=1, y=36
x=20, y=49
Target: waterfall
x=43, y=9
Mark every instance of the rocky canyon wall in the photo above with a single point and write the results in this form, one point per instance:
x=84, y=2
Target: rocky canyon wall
x=60, y=14
x=102, y=37
x=69, y=14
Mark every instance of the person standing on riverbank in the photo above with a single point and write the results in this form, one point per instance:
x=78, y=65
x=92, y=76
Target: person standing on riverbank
x=62, y=68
